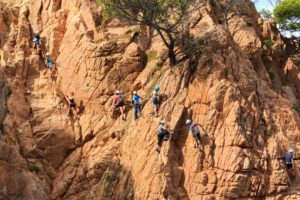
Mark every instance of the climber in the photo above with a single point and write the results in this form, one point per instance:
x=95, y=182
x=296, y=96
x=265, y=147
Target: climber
x=49, y=62
x=155, y=101
x=36, y=41
x=162, y=132
x=289, y=162
x=72, y=104
x=136, y=104
x=195, y=131
x=118, y=103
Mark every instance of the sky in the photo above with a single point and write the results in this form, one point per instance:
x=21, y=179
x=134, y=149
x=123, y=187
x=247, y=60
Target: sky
x=260, y=4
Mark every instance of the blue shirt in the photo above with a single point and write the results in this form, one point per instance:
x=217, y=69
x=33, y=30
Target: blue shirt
x=36, y=39
x=49, y=62
x=136, y=98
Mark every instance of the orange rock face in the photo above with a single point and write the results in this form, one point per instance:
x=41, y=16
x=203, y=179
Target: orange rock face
x=242, y=92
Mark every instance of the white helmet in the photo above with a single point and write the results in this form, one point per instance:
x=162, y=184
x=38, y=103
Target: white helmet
x=188, y=121
x=36, y=32
x=155, y=92
x=47, y=54
x=117, y=92
x=134, y=92
x=162, y=122
x=291, y=150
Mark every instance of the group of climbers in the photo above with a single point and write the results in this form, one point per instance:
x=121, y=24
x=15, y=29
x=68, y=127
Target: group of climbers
x=37, y=46
x=164, y=134
x=119, y=103
x=162, y=130
x=50, y=65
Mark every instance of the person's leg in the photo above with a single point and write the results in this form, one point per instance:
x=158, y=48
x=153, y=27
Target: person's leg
x=159, y=142
x=198, y=139
x=136, y=110
x=69, y=111
x=122, y=112
x=156, y=110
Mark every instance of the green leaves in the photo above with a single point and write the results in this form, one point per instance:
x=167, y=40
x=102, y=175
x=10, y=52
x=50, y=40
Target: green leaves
x=287, y=15
x=266, y=14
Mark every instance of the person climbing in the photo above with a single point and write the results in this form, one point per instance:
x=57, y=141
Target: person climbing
x=72, y=104
x=161, y=134
x=195, y=131
x=289, y=162
x=136, y=104
x=118, y=103
x=36, y=41
x=156, y=103
x=49, y=62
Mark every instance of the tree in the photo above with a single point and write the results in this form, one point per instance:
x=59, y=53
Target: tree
x=266, y=14
x=287, y=15
x=165, y=16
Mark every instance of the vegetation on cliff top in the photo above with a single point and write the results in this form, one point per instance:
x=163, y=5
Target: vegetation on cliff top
x=166, y=16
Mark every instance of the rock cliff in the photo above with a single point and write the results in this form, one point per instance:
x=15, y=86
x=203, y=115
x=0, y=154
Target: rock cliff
x=243, y=90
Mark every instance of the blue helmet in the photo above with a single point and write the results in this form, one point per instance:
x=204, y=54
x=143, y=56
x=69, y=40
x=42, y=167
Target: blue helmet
x=156, y=88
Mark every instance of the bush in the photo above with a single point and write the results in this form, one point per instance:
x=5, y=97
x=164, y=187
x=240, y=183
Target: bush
x=33, y=168
x=296, y=107
x=268, y=43
x=152, y=55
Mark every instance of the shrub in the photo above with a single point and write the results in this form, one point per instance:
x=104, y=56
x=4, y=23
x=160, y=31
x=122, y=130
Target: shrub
x=268, y=43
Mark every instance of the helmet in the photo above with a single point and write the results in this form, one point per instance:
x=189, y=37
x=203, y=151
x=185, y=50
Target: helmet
x=291, y=150
x=134, y=92
x=117, y=92
x=47, y=54
x=156, y=88
x=162, y=122
x=188, y=121
x=155, y=92
x=36, y=32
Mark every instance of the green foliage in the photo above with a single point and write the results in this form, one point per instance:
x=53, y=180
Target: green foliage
x=98, y=2
x=152, y=55
x=214, y=2
x=268, y=43
x=271, y=75
x=266, y=14
x=33, y=168
x=165, y=16
x=287, y=15
x=296, y=107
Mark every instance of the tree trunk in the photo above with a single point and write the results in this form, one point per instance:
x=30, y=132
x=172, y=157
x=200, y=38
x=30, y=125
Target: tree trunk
x=172, y=56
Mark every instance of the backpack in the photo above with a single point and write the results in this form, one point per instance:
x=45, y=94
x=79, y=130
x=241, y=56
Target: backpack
x=288, y=158
x=119, y=98
x=155, y=99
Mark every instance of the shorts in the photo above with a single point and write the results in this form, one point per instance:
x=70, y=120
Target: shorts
x=119, y=104
x=36, y=42
x=289, y=165
x=160, y=138
x=155, y=102
x=73, y=105
x=197, y=136
x=50, y=65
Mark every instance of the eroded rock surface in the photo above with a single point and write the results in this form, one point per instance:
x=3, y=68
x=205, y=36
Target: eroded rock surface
x=243, y=92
